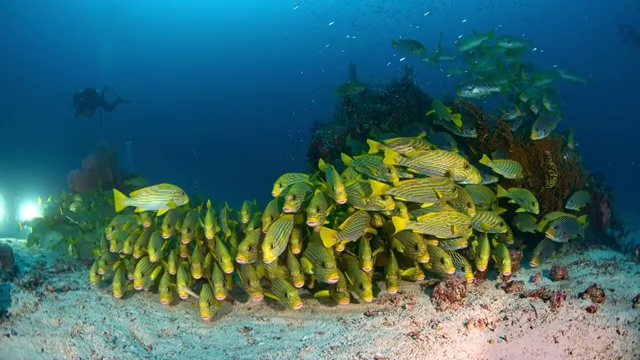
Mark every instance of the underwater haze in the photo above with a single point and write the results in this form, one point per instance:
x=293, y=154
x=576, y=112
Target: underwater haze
x=224, y=93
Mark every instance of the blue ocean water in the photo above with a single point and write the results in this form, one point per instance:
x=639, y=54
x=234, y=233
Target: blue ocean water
x=224, y=92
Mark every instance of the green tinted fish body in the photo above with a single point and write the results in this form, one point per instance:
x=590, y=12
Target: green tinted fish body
x=171, y=222
x=354, y=227
x=372, y=166
x=287, y=295
x=318, y=209
x=335, y=185
x=424, y=191
x=411, y=245
x=437, y=163
x=277, y=238
x=210, y=222
x=296, y=196
x=488, y=221
x=248, y=248
x=444, y=225
x=189, y=226
x=522, y=197
x=578, y=200
x=160, y=198
x=286, y=180
x=359, y=280
x=509, y=169
x=319, y=261
x=251, y=282
x=481, y=195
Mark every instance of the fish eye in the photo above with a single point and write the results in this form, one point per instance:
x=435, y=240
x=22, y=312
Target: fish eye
x=469, y=205
x=533, y=203
x=441, y=261
x=286, y=295
x=555, y=227
x=181, y=193
x=293, y=197
x=465, y=166
x=280, y=185
x=362, y=287
x=317, y=208
x=249, y=248
x=323, y=264
x=273, y=246
x=113, y=228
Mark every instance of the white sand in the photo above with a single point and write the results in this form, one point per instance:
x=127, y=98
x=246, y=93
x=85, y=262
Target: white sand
x=86, y=322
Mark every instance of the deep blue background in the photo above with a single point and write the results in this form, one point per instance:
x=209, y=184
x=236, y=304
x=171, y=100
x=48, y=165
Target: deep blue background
x=224, y=95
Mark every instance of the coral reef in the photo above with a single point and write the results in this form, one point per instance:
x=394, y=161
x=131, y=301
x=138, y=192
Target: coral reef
x=594, y=292
x=97, y=169
x=399, y=103
x=554, y=298
x=450, y=294
x=558, y=273
x=8, y=268
x=513, y=286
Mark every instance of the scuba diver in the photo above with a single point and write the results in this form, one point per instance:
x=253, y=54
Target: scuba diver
x=629, y=35
x=88, y=100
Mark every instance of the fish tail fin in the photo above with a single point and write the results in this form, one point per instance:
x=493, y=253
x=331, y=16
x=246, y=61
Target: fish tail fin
x=374, y=146
x=485, y=160
x=322, y=166
x=208, y=204
x=391, y=157
x=457, y=119
x=120, y=200
x=377, y=187
x=329, y=236
x=501, y=192
x=400, y=223
x=346, y=159
x=430, y=112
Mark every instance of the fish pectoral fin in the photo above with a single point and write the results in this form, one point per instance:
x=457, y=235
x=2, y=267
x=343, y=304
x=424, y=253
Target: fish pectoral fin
x=322, y=294
x=160, y=212
x=272, y=296
x=139, y=209
x=520, y=210
x=172, y=204
x=307, y=266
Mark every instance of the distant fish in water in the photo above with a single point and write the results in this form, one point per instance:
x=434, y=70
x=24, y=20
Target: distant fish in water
x=350, y=88
x=161, y=197
x=578, y=200
x=411, y=47
x=544, y=125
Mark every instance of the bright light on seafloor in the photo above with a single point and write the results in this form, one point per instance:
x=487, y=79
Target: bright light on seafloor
x=29, y=211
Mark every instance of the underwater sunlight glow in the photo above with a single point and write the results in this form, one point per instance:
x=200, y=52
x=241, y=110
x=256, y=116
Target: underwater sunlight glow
x=29, y=211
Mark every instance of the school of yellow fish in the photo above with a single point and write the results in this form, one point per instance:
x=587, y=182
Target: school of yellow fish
x=405, y=210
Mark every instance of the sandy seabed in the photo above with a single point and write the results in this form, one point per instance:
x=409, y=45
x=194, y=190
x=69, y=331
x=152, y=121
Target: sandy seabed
x=54, y=313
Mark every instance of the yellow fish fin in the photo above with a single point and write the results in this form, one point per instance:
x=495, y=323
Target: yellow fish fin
x=120, y=200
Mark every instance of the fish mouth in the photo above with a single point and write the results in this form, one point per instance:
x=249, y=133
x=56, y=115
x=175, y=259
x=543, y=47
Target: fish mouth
x=206, y=318
x=366, y=268
x=344, y=301
x=117, y=296
x=392, y=291
x=333, y=280
x=137, y=287
x=297, y=306
x=533, y=264
x=287, y=209
x=482, y=269
x=220, y=298
x=197, y=276
x=186, y=241
x=257, y=298
x=506, y=273
x=298, y=285
x=267, y=261
x=341, y=201
x=312, y=223
x=165, y=302
x=241, y=260
x=274, y=194
x=165, y=236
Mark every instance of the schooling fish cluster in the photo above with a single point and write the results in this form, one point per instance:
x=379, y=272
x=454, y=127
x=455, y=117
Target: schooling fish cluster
x=404, y=209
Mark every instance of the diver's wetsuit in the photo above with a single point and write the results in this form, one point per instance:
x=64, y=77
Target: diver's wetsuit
x=88, y=100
